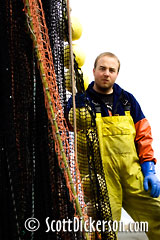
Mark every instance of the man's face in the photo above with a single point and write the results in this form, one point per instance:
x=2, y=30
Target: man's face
x=105, y=74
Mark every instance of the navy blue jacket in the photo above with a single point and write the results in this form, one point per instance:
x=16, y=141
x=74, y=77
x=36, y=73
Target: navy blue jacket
x=143, y=139
x=118, y=105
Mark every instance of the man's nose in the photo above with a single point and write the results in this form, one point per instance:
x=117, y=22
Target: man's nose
x=106, y=72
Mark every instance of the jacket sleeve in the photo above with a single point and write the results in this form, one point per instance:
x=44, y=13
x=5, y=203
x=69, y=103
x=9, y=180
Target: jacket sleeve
x=143, y=139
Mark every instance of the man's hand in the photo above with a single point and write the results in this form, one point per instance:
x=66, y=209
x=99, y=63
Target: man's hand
x=150, y=179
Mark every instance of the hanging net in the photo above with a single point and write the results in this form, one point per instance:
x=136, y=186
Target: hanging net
x=40, y=175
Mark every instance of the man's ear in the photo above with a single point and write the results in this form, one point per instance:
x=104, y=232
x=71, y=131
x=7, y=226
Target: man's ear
x=93, y=71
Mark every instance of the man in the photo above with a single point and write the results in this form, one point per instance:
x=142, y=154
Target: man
x=125, y=145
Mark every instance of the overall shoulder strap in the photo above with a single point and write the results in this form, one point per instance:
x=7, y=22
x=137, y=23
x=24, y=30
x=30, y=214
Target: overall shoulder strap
x=122, y=99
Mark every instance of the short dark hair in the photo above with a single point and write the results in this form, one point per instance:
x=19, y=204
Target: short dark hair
x=109, y=54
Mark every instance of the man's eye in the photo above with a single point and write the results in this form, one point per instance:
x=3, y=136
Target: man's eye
x=112, y=70
x=102, y=68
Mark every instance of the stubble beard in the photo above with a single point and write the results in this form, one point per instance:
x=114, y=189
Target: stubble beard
x=105, y=89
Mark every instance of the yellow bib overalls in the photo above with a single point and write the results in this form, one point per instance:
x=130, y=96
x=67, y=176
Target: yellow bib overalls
x=123, y=173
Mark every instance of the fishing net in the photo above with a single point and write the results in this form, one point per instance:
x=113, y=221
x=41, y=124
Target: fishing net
x=40, y=175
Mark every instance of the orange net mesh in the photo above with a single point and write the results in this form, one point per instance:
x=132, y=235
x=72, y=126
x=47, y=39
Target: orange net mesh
x=63, y=146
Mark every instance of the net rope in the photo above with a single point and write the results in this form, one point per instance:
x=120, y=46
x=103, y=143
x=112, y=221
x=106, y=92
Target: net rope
x=63, y=145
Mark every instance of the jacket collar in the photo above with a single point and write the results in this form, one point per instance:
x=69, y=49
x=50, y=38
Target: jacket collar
x=117, y=90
